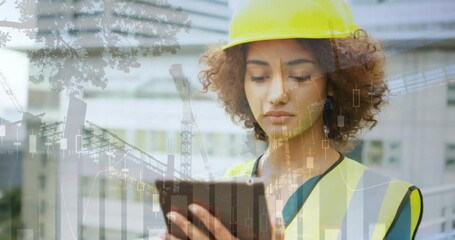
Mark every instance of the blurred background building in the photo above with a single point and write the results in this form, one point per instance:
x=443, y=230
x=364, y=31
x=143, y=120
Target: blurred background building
x=85, y=168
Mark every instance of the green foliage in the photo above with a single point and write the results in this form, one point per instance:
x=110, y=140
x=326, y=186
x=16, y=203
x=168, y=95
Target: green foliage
x=10, y=214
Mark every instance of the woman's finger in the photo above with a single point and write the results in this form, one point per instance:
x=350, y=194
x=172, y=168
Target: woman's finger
x=212, y=223
x=187, y=227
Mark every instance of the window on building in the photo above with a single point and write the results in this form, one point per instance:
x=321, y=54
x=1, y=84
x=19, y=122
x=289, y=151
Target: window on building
x=159, y=141
x=41, y=230
x=378, y=153
x=450, y=157
x=89, y=186
x=121, y=133
x=443, y=224
x=141, y=140
x=217, y=144
x=451, y=94
x=394, y=154
x=42, y=182
x=177, y=143
x=116, y=186
x=139, y=191
x=44, y=159
x=210, y=147
x=131, y=188
x=85, y=186
x=102, y=187
x=375, y=153
x=42, y=207
x=453, y=214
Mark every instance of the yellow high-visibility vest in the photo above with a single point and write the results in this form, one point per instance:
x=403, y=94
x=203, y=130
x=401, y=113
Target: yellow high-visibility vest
x=349, y=201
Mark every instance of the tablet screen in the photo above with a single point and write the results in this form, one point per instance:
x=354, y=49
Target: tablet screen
x=239, y=205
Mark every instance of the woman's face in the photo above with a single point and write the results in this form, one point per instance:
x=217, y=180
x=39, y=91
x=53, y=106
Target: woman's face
x=285, y=87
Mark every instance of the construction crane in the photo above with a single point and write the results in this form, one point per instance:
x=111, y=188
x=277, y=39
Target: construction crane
x=188, y=123
x=10, y=93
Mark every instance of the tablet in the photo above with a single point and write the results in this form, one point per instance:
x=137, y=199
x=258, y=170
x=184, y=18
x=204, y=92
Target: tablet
x=240, y=205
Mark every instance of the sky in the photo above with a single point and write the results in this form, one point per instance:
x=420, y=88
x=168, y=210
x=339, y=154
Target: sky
x=14, y=67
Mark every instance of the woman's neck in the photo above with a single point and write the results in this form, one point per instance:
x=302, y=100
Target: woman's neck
x=304, y=156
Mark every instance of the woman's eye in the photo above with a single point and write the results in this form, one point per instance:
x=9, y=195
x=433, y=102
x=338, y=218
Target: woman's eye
x=258, y=78
x=300, y=78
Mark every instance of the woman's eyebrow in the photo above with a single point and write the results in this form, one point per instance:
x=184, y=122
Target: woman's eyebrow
x=257, y=62
x=300, y=61
x=290, y=63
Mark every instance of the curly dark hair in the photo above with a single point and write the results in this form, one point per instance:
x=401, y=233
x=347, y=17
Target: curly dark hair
x=354, y=64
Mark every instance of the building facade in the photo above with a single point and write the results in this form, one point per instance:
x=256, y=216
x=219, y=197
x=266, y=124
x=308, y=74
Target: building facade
x=130, y=131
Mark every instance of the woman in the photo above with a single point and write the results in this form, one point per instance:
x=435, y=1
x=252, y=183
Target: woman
x=307, y=79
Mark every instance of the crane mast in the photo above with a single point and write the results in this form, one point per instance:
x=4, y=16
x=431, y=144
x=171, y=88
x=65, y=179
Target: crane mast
x=188, y=123
x=10, y=93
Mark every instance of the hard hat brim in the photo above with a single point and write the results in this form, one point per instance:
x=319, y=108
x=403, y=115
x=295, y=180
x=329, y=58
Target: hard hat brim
x=290, y=35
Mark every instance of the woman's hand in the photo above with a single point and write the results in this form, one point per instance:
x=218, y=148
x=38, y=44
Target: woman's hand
x=213, y=225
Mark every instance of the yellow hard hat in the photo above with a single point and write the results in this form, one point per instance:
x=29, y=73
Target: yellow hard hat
x=259, y=20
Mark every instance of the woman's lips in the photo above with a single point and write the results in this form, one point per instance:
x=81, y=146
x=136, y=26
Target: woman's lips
x=278, y=116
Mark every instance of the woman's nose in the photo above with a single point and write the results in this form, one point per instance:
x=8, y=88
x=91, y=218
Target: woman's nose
x=279, y=92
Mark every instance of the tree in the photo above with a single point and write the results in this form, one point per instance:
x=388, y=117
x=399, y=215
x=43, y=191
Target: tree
x=77, y=40
x=10, y=214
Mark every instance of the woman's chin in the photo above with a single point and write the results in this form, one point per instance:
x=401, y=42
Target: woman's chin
x=285, y=132
x=281, y=134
